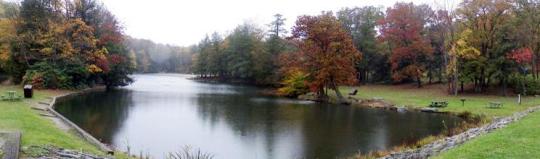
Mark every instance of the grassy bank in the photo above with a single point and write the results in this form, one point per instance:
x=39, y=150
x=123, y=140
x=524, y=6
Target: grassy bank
x=36, y=129
x=409, y=95
x=519, y=140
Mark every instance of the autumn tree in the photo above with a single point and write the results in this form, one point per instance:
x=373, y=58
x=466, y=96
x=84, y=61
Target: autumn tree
x=402, y=28
x=488, y=20
x=326, y=53
x=526, y=31
x=462, y=54
x=440, y=33
x=521, y=58
x=8, y=14
x=68, y=44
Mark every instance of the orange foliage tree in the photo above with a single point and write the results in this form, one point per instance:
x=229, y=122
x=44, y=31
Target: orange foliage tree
x=402, y=29
x=325, y=53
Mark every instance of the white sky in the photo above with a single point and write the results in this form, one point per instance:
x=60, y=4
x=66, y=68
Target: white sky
x=186, y=22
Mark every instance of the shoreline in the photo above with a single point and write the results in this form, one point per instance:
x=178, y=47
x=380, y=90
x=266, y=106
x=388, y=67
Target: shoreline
x=441, y=144
x=66, y=122
x=432, y=148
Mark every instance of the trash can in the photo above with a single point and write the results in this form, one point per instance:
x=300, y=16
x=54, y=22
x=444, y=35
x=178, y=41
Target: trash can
x=28, y=92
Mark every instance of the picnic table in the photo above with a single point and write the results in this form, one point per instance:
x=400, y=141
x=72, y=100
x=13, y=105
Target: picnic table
x=438, y=104
x=495, y=105
x=10, y=96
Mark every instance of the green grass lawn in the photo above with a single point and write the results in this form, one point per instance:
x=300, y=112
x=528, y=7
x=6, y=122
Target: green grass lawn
x=415, y=97
x=519, y=140
x=35, y=129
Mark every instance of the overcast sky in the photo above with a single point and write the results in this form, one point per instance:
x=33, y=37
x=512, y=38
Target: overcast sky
x=186, y=22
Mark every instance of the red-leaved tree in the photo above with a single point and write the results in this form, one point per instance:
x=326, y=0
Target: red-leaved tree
x=521, y=56
x=402, y=29
x=326, y=53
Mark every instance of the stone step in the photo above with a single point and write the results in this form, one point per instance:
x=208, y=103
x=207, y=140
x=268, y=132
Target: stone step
x=10, y=142
x=47, y=115
x=40, y=109
x=44, y=103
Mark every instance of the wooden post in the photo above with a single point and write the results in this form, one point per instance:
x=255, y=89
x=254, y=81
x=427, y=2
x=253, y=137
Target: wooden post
x=519, y=99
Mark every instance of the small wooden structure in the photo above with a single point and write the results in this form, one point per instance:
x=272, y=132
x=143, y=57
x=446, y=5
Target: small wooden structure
x=495, y=105
x=438, y=104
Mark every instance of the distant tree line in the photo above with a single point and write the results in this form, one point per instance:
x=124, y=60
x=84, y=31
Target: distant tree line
x=150, y=57
x=247, y=53
x=480, y=44
x=62, y=44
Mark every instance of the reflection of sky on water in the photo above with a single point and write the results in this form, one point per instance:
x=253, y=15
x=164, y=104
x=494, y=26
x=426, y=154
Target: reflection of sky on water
x=162, y=113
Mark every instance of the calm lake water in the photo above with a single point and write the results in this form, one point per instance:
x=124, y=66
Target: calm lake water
x=162, y=113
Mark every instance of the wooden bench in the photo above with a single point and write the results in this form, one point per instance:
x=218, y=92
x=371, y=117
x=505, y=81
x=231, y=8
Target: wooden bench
x=495, y=105
x=354, y=92
x=438, y=104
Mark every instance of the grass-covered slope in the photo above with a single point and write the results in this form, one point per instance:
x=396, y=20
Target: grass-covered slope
x=36, y=129
x=519, y=140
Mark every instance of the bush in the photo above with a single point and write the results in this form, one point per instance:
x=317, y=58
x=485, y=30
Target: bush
x=532, y=86
x=45, y=75
x=294, y=84
x=188, y=153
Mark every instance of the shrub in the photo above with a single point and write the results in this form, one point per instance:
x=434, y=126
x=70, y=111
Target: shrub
x=294, y=84
x=188, y=153
x=532, y=86
x=46, y=75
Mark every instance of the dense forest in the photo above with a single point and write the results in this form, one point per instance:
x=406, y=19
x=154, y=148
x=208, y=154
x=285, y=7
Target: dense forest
x=478, y=46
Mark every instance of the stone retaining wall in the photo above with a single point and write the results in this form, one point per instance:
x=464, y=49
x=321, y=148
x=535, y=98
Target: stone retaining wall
x=85, y=135
x=445, y=144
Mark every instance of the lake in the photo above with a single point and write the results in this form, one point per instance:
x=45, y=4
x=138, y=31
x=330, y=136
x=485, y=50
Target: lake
x=162, y=113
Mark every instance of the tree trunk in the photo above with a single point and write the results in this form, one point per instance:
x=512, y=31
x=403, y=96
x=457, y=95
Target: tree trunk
x=534, y=69
x=419, y=81
x=462, y=86
x=340, y=98
x=321, y=95
x=455, y=80
x=440, y=76
x=430, y=76
x=504, y=86
x=523, y=86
